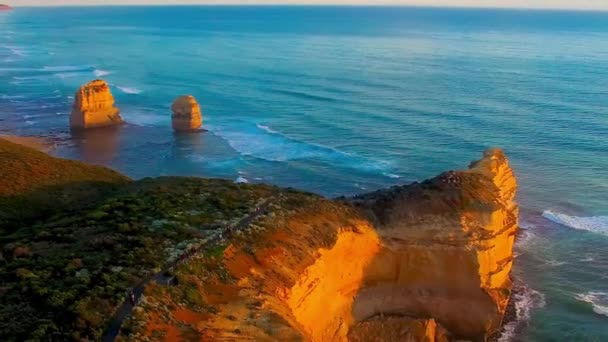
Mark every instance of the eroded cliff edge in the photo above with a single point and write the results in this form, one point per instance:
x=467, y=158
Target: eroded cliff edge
x=216, y=260
x=428, y=261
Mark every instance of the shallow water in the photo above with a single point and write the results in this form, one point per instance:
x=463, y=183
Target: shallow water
x=347, y=100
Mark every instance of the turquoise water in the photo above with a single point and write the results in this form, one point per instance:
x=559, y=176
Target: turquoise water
x=347, y=100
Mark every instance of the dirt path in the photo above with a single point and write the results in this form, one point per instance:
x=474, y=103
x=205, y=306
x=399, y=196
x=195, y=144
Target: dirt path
x=126, y=308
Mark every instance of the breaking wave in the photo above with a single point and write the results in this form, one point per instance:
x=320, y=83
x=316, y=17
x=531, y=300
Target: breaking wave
x=267, y=129
x=525, y=301
x=596, y=224
x=262, y=142
x=598, y=300
x=101, y=73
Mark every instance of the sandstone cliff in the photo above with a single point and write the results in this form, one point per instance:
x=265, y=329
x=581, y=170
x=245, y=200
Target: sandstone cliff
x=424, y=262
x=94, y=107
x=451, y=240
x=187, y=115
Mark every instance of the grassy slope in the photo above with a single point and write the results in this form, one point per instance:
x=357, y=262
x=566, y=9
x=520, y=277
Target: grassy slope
x=34, y=185
x=63, y=274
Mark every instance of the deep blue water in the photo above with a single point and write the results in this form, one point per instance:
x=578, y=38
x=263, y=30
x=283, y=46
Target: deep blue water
x=342, y=100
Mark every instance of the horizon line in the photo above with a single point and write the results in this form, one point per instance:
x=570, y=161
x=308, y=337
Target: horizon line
x=232, y=4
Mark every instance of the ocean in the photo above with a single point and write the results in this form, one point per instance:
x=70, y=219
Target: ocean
x=345, y=100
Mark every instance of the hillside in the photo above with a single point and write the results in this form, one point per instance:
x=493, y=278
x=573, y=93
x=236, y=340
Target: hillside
x=34, y=185
x=213, y=260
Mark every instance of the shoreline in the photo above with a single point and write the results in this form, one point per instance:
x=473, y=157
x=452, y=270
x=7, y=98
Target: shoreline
x=42, y=144
x=510, y=319
x=511, y=323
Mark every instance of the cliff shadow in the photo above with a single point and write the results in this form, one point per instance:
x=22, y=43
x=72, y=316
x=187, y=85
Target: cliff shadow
x=43, y=203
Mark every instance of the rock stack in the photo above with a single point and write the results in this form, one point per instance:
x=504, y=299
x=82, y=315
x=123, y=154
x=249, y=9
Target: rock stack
x=187, y=115
x=94, y=107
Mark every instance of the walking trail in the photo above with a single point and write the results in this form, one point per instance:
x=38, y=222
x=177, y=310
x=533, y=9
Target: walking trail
x=161, y=278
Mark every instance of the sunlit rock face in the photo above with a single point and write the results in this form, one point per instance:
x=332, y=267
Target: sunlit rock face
x=187, y=115
x=94, y=107
x=423, y=262
x=448, y=245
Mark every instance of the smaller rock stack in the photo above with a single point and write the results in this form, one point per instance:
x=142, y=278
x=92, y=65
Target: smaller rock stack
x=94, y=107
x=187, y=115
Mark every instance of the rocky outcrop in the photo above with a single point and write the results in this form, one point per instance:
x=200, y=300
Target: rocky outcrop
x=428, y=261
x=451, y=239
x=94, y=107
x=187, y=115
x=400, y=329
x=5, y=7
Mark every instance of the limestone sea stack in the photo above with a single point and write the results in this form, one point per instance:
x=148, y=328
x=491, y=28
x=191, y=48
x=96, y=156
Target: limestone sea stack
x=94, y=107
x=187, y=115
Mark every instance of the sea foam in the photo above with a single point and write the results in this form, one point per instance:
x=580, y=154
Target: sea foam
x=596, y=224
x=598, y=300
x=525, y=300
x=265, y=143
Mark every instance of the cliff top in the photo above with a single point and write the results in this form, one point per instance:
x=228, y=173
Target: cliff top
x=488, y=184
x=75, y=261
x=94, y=86
x=211, y=257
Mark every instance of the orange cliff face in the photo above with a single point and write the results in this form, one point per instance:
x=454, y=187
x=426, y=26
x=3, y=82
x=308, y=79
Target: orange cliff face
x=187, y=115
x=451, y=239
x=94, y=107
x=424, y=262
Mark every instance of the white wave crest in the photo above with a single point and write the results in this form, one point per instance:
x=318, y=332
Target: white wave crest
x=267, y=129
x=29, y=78
x=596, y=224
x=598, y=300
x=67, y=74
x=129, y=90
x=101, y=73
x=241, y=179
